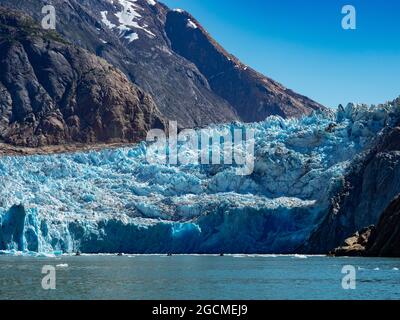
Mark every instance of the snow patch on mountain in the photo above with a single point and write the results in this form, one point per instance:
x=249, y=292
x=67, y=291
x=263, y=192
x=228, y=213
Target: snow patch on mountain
x=128, y=20
x=105, y=20
x=191, y=24
x=132, y=36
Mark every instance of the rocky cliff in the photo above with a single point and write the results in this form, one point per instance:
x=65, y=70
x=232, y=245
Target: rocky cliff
x=167, y=53
x=380, y=241
x=385, y=240
x=355, y=245
x=52, y=92
x=369, y=186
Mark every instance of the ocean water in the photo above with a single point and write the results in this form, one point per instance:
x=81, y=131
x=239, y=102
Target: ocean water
x=135, y=277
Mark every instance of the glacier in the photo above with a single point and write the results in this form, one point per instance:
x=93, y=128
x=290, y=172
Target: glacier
x=113, y=200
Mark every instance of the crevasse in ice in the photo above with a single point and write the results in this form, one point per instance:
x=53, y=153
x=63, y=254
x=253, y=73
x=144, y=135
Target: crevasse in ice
x=115, y=201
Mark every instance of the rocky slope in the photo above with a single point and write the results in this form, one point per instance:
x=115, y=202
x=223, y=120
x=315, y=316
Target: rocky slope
x=380, y=241
x=168, y=54
x=54, y=93
x=355, y=245
x=385, y=240
x=253, y=96
x=369, y=186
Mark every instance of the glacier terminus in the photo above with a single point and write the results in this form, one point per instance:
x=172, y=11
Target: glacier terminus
x=113, y=200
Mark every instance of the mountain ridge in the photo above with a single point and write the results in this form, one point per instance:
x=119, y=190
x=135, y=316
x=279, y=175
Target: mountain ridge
x=55, y=93
x=132, y=35
x=230, y=78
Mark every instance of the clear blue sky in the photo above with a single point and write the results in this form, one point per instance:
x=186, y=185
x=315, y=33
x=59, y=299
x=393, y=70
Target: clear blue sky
x=301, y=44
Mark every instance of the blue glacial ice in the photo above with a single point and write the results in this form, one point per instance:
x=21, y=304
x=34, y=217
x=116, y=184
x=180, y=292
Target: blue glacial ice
x=113, y=200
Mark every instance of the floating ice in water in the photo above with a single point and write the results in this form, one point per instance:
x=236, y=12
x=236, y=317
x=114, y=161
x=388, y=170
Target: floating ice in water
x=239, y=255
x=395, y=269
x=300, y=256
x=62, y=265
x=113, y=201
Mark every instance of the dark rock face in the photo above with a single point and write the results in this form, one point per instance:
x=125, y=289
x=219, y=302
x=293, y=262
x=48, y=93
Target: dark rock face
x=380, y=241
x=55, y=93
x=355, y=245
x=370, y=185
x=385, y=240
x=191, y=78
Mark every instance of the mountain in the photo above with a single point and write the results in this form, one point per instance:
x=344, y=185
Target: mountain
x=167, y=53
x=52, y=92
x=369, y=186
x=253, y=96
x=316, y=180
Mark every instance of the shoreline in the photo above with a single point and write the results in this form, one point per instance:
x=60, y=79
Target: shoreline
x=4, y=253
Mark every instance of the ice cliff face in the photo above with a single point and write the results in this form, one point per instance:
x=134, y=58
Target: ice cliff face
x=114, y=201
